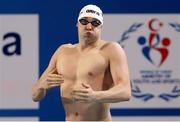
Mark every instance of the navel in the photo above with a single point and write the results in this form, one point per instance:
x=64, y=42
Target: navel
x=90, y=73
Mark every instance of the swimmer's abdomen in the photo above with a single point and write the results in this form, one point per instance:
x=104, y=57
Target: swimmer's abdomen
x=83, y=110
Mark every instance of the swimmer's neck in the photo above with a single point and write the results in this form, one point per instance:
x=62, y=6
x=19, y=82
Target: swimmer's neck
x=83, y=45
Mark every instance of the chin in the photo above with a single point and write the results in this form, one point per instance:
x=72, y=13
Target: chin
x=88, y=39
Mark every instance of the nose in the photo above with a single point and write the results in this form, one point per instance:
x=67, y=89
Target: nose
x=89, y=26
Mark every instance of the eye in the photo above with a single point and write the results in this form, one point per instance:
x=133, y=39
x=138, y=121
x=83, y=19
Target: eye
x=96, y=23
x=83, y=21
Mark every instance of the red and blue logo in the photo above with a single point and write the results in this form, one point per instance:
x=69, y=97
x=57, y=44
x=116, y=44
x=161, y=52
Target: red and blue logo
x=155, y=43
x=155, y=47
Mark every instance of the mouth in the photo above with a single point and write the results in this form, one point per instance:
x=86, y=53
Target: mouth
x=88, y=33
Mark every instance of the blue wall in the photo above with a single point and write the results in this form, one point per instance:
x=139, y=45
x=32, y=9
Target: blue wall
x=58, y=25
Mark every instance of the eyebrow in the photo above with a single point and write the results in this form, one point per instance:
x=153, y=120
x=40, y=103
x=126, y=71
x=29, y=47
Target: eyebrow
x=92, y=18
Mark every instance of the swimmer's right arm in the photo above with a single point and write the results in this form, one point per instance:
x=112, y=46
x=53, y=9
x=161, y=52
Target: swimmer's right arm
x=49, y=79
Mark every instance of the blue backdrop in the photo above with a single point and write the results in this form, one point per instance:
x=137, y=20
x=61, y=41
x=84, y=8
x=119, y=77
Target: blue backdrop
x=57, y=21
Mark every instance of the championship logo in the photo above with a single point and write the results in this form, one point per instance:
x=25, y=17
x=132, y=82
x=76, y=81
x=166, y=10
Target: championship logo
x=151, y=45
x=153, y=42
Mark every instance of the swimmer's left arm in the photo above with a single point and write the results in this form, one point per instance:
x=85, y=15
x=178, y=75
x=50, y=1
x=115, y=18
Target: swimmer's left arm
x=121, y=91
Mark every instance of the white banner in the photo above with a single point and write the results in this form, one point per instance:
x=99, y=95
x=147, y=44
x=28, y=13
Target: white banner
x=151, y=42
x=19, y=38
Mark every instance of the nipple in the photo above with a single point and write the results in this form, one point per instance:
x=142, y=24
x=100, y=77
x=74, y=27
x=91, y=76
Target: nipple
x=76, y=114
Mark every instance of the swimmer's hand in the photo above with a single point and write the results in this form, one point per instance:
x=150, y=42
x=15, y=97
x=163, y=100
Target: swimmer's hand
x=53, y=80
x=86, y=94
x=50, y=80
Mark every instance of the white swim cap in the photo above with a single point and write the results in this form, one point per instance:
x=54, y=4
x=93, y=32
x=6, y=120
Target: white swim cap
x=91, y=11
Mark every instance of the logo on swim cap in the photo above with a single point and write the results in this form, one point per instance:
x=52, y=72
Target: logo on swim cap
x=91, y=11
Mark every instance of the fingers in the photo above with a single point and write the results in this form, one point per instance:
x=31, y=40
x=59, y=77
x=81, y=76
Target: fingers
x=55, y=77
x=51, y=81
x=53, y=85
x=86, y=85
x=83, y=95
x=54, y=82
x=80, y=99
x=80, y=94
x=80, y=91
x=53, y=71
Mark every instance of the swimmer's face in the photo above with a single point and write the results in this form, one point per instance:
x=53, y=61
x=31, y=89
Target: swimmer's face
x=89, y=28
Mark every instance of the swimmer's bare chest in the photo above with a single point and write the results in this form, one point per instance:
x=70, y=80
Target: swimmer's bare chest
x=77, y=68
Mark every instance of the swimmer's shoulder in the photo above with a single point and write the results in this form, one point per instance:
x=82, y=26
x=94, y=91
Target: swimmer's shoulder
x=109, y=45
x=69, y=45
x=111, y=48
x=65, y=47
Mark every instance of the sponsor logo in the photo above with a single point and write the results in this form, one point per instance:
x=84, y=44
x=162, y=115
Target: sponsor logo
x=154, y=48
